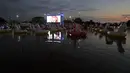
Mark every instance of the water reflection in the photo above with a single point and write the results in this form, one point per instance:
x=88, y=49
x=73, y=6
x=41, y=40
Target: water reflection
x=51, y=37
x=58, y=37
x=75, y=39
x=120, y=47
x=76, y=43
x=19, y=38
x=55, y=37
x=96, y=33
x=108, y=40
x=100, y=36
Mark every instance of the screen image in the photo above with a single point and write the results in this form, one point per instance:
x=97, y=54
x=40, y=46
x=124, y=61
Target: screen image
x=54, y=19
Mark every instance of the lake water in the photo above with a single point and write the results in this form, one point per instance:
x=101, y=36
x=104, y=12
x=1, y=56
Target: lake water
x=35, y=54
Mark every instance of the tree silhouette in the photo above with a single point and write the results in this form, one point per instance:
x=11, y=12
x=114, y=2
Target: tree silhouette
x=67, y=21
x=2, y=21
x=78, y=20
x=11, y=22
x=86, y=24
x=39, y=20
x=92, y=22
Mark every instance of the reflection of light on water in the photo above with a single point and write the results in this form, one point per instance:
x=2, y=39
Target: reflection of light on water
x=19, y=38
x=49, y=35
x=57, y=37
x=62, y=38
x=54, y=41
x=126, y=32
x=78, y=46
x=108, y=32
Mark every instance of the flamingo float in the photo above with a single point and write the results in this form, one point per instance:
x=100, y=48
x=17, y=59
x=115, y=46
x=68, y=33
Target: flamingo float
x=76, y=33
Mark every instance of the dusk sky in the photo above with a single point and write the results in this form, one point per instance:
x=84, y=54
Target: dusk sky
x=99, y=10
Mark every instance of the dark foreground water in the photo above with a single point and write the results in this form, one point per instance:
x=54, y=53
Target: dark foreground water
x=32, y=54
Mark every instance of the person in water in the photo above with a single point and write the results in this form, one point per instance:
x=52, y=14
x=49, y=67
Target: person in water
x=120, y=47
x=77, y=27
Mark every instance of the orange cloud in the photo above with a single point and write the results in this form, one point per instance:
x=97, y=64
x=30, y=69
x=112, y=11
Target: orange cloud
x=114, y=18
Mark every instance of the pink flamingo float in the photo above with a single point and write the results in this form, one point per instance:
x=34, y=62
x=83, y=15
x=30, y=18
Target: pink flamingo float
x=77, y=32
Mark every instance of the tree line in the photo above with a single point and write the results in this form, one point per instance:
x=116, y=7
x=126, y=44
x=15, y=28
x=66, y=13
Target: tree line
x=41, y=20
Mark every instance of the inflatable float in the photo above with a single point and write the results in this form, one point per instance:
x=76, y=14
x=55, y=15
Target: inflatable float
x=76, y=33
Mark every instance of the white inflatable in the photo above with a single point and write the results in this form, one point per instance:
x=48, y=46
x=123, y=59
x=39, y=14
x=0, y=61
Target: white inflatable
x=120, y=31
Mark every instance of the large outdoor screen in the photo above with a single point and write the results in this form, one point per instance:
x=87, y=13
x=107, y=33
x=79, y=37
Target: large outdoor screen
x=54, y=19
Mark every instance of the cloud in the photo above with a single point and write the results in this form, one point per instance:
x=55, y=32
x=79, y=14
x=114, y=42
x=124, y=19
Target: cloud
x=75, y=9
x=12, y=1
x=101, y=19
x=28, y=8
x=126, y=15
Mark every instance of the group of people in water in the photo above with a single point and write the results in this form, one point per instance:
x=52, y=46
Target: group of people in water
x=119, y=29
x=120, y=39
x=76, y=28
x=29, y=26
